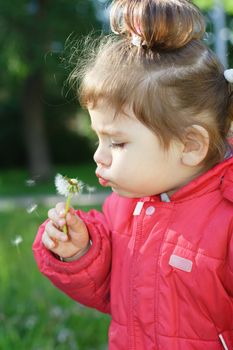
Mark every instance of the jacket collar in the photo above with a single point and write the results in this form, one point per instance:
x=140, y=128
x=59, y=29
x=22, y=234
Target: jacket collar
x=219, y=177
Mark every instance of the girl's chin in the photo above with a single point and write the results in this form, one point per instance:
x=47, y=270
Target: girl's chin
x=124, y=193
x=119, y=191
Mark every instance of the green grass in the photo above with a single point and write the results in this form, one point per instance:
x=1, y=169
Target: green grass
x=34, y=315
x=15, y=181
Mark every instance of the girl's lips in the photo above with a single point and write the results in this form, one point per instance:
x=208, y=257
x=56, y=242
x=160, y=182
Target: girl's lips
x=102, y=181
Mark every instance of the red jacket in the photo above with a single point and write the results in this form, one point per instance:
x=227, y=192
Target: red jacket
x=166, y=274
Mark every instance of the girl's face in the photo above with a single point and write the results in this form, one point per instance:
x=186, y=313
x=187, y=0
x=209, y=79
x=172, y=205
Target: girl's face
x=130, y=159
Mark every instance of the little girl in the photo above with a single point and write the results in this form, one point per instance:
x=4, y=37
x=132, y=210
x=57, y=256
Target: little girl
x=159, y=258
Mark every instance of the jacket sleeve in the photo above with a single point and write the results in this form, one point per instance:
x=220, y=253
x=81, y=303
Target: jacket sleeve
x=86, y=280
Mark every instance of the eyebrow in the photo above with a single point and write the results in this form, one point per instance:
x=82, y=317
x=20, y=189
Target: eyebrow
x=109, y=132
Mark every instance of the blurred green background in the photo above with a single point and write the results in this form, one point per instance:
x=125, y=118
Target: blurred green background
x=44, y=131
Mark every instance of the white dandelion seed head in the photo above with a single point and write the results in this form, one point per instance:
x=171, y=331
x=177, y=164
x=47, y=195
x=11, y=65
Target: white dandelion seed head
x=66, y=186
x=62, y=185
x=17, y=240
x=77, y=184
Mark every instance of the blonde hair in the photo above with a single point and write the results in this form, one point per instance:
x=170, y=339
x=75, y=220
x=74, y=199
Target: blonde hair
x=172, y=80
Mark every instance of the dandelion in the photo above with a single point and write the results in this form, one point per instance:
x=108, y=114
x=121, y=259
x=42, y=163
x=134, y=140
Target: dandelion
x=17, y=241
x=67, y=187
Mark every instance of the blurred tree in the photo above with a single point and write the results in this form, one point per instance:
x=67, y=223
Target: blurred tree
x=220, y=25
x=32, y=38
x=208, y=4
x=220, y=13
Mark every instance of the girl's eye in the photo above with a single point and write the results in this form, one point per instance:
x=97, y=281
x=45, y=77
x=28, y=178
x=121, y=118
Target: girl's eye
x=117, y=145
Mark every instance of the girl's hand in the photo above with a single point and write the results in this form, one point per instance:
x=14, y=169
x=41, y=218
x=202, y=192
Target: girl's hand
x=65, y=245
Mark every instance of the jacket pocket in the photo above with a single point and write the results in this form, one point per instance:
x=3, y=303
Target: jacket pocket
x=226, y=339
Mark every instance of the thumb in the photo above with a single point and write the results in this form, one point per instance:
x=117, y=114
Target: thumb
x=75, y=223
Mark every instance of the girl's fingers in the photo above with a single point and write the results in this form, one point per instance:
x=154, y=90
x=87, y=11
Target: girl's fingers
x=75, y=223
x=55, y=234
x=52, y=215
x=57, y=215
x=47, y=241
x=72, y=221
x=60, y=209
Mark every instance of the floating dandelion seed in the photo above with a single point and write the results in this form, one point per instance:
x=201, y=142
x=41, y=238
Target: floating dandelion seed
x=30, y=182
x=67, y=187
x=64, y=335
x=31, y=208
x=17, y=240
x=57, y=312
x=31, y=321
x=90, y=189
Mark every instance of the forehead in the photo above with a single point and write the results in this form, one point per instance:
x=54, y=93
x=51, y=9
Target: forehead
x=104, y=119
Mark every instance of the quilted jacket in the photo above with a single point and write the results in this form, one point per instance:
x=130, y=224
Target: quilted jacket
x=162, y=269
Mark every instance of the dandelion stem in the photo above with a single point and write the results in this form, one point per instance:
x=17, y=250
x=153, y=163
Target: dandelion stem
x=68, y=204
x=65, y=230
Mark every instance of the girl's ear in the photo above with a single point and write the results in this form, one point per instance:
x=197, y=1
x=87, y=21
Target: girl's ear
x=195, y=145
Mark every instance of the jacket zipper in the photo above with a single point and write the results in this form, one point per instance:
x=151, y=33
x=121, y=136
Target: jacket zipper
x=223, y=342
x=138, y=235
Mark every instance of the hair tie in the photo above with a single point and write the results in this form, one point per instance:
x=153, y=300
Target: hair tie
x=228, y=74
x=136, y=40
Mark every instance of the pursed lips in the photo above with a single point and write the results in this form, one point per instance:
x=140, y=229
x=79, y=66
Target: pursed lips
x=102, y=180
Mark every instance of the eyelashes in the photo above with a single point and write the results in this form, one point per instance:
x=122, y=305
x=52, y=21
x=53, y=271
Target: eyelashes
x=113, y=144
x=117, y=145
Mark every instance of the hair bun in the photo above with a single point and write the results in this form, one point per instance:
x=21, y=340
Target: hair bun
x=161, y=24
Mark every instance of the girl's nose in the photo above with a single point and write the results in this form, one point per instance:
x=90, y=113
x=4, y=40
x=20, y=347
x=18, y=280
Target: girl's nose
x=102, y=156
